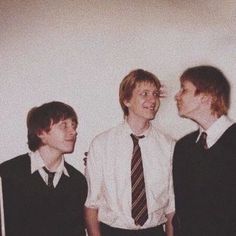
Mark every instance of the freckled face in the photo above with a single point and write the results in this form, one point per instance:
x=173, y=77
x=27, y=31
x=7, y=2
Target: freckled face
x=144, y=102
x=188, y=103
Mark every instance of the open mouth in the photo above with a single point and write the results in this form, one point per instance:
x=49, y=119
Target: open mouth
x=152, y=108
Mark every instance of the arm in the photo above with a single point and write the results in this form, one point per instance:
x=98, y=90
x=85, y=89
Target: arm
x=92, y=223
x=168, y=226
x=93, y=173
x=169, y=229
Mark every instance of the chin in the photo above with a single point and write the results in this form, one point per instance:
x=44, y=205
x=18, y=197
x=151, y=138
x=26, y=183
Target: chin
x=69, y=150
x=150, y=118
x=182, y=115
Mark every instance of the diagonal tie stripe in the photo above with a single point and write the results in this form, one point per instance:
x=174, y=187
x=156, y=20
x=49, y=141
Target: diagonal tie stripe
x=50, y=177
x=139, y=210
x=202, y=140
x=138, y=198
x=135, y=168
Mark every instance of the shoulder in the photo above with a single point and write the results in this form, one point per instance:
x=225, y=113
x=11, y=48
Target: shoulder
x=188, y=139
x=184, y=149
x=229, y=136
x=15, y=165
x=160, y=140
x=231, y=130
x=75, y=174
x=161, y=135
x=77, y=182
x=108, y=135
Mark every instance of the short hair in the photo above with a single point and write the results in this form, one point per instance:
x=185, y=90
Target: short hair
x=129, y=83
x=41, y=118
x=212, y=81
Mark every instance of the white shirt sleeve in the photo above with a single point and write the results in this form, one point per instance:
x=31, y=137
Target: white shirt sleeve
x=93, y=173
x=171, y=205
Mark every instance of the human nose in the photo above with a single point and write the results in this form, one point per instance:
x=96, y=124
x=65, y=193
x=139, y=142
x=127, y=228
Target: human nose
x=177, y=95
x=152, y=98
x=73, y=131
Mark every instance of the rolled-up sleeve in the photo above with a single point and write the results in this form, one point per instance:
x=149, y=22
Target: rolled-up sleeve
x=93, y=173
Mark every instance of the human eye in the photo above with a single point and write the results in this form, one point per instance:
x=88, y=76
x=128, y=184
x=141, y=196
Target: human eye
x=63, y=125
x=182, y=90
x=156, y=94
x=74, y=125
x=144, y=93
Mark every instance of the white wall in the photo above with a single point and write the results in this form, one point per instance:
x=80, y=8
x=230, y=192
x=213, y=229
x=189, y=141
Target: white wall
x=79, y=51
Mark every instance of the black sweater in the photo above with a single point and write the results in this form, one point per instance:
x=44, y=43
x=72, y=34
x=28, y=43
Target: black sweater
x=32, y=209
x=205, y=185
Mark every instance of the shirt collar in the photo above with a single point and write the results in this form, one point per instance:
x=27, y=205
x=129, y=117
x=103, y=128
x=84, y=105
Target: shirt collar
x=37, y=163
x=215, y=131
x=129, y=131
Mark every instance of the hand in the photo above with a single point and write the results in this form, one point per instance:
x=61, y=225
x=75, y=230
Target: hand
x=85, y=158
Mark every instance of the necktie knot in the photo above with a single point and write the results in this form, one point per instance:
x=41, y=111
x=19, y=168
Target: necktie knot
x=136, y=138
x=202, y=140
x=50, y=177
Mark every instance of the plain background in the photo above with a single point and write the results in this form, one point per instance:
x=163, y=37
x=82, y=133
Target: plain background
x=78, y=51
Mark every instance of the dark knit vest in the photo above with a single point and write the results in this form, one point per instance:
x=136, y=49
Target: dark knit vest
x=32, y=209
x=205, y=185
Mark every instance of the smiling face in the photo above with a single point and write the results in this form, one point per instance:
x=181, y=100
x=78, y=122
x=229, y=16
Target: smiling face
x=144, y=102
x=61, y=137
x=188, y=103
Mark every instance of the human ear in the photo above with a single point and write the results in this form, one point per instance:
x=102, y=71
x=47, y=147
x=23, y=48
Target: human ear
x=206, y=98
x=41, y=134
x=127, y=103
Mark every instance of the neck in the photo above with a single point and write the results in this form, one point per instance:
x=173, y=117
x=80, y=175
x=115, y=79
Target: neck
x=51, y=159
x=138, y=127
x=206, y=120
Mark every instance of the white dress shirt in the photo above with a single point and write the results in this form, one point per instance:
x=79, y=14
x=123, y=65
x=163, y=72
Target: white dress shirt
x=215, y=131
x=108, y=173
x=37, y=164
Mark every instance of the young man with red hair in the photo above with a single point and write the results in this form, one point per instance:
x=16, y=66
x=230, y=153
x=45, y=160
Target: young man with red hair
x=129, y=168
x=204, y=161
x=43, y=195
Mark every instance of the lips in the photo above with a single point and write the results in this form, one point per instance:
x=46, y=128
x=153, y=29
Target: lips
x=152, y=108
x=71, y=140
x=178, y=104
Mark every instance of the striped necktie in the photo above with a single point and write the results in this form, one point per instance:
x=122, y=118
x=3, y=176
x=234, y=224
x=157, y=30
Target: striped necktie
x=139, y=201
x=50, y=177
x=202, y=140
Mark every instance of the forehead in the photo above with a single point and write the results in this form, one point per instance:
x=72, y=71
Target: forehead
x=145, y=86
x=187, y=84
x=64, y=120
